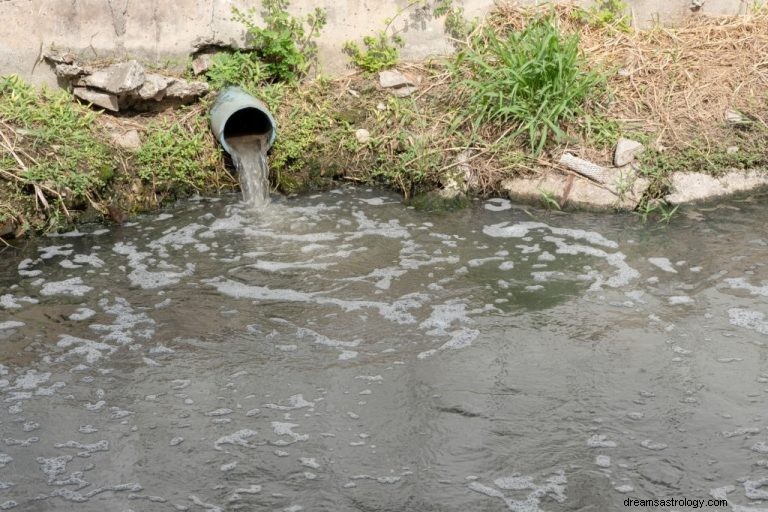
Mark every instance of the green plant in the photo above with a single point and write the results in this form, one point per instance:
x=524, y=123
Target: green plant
x=605, y=13
x=381, y=52
x=52, y=145
x=548, y=199
x=285, y=44
x=534, y=78
x=173, y=156
x=456, y=26
x=237, y=68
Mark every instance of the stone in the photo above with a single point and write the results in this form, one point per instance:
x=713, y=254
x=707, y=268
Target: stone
x=104, y=100
x=391, y=79
x=626, y=151
x=201, y=63
x=129, y=140
x=154, y=87
x=583, y=193
x=402, y=92
x=586, y=168
x=363, y=136
x=696, y=186
x=70, y=71
x=117, y=78
x=183, y=90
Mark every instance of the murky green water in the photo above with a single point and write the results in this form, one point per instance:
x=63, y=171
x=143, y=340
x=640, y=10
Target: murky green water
x=341, y=352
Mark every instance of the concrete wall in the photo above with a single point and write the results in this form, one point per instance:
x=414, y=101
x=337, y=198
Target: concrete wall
x=158, y=30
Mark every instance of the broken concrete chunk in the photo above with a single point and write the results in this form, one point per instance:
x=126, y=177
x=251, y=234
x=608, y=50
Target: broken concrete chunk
x=100, y=99
x=128, y=140
x=402, y=92
x=154, y=87
x=182, y=90
x=393, y=79
x=201, y=63
x=117, y=78
x=626, y=151
x=697, y=186
x=70, y=71
x=586, y=168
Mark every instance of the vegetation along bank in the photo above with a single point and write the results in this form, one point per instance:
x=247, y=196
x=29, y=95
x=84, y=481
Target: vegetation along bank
x=560, y=104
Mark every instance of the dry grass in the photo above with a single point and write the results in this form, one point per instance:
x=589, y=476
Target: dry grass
x=675, y=82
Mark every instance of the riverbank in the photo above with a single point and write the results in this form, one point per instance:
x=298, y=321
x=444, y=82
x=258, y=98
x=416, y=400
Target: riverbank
x=690, y=101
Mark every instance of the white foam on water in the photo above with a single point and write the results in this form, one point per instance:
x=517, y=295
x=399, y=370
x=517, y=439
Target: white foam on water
x=553, y=488
x=309, y=462
x=521, y=230
x=286, y=429
x=753, y=489
x=753, y=320
x=8, y=301
x=396, y=311
x=603, y=461
x=90, y=350
x=239, y=438
x=237, y=493
x=368, y=227
x=678, y=300
x=278, y=266
x=73, y=286
x=144, y=278
x=88, y=449
x=664, y=264
x=481, y=261
x=739, y=283
x=51, y=251
x=82, y=314
x=31, y=380
x=346, y=355
x=11, y=324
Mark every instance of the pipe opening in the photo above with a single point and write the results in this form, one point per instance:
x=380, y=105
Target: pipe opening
x=248, y=121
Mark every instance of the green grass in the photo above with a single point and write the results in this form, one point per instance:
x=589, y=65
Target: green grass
x=55, y=145
x=536, y=79
x=380, y=52
x=177, y=157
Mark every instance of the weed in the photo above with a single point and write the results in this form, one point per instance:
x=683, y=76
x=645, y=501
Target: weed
x=456, y=26
x=548, y=199
x=238, y=68
x=605, y=14
x=285, y=45
x=52, y=145
x=381, y=52
x=176, y=158
x=534, y=78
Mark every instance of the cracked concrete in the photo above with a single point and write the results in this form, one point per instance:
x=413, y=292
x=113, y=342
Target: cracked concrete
x=160, y=31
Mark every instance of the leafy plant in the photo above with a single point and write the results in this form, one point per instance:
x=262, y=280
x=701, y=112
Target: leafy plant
x=381, y=52
x=238, y=68
x=534, y=78
x=456, y=26
x=282, y=50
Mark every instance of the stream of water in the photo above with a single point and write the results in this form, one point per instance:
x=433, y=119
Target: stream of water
x=343, y=352
x=252, y=170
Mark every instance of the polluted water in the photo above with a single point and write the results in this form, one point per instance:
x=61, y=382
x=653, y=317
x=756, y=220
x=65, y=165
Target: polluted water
x=349, y=353
x=250, y=159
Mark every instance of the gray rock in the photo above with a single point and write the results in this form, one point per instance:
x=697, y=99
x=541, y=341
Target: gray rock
x=117, y=78
x=154, y=87
x=393, y=79
x=402, y=92
x=128, y=140
x=696, y=186
x=626, y=151
x=100, y=99
x=183, y=90
x=70, y=71
x=201, y=63
x=362, y=135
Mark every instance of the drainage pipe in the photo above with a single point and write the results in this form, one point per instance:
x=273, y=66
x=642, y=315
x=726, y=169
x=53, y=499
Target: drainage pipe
x=236, y=113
